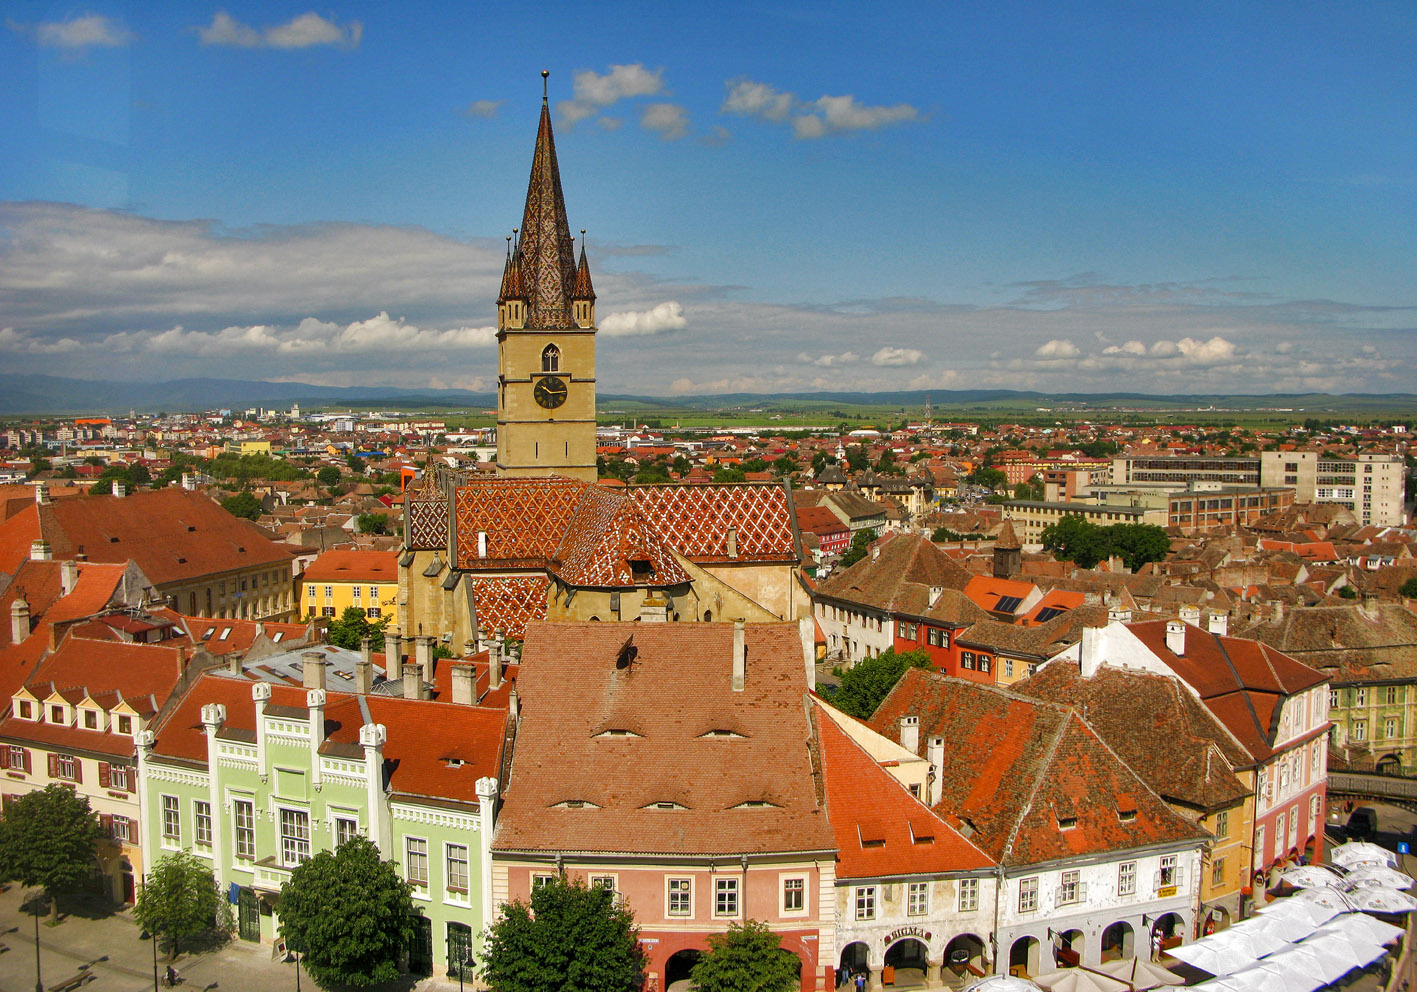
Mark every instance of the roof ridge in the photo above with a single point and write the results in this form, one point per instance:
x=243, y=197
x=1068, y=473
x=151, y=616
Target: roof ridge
x=1043, y=766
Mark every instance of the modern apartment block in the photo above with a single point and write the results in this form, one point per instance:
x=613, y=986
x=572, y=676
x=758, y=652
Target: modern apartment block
x=1370, y=485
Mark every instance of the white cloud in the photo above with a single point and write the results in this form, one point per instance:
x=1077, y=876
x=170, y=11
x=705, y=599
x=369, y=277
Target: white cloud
x=91, y=30
x=1211, y=352
x=669, y=120
x=830, y=361
x=897, y=356
x=18, y=341
x=667, y=316
x=379, y=334
x=1130, y=348
x=752, y=99
x=594, y=92
x=482, y=108
x=306, y=31
x=834, y=114
x=1057, y=348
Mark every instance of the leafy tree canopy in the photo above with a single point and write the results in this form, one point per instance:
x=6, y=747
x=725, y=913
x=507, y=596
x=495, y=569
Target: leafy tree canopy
x=748, y=958
x=945, y=534
x=179, y=900
x=242, y=504
x=730, y=474
x=329, y=476
x=349, y=914
x=1348, y=592
x=1032, y=489
x=1078, y=540
x=1409, y=588
x=47, y=839
x=990, y=478
x=870, y=680
x=570, y=938
x=372, y=523
x=860, y=544
x=352, y=626
x=241, y=467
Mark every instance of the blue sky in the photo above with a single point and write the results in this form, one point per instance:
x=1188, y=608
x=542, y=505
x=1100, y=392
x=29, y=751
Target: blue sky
x=1186, y=197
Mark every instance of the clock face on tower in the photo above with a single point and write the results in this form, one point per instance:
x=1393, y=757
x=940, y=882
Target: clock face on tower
x=550, y=392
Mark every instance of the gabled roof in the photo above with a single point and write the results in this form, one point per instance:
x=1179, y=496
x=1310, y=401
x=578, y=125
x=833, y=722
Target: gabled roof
x=882, y=580
x=1033, y=780
x=135, y=670
x=736, y=768
x=354, y=566
x=1349, y=643
x=509, y=603
x=882, y=830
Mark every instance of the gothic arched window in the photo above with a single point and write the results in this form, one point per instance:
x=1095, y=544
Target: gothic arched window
x=551, y=359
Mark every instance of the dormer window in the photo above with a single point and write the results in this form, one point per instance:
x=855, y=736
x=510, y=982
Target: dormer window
x=90, y=720
x=125, y=724
x=728, y=734
x=617, y=732
x=665, y=805
x=1067, y=822
x=756, y=804
x=641, y=570
x=1126, y=815
x=575, y=804
x=26, y=710
x=56, y=715
x=551, y=359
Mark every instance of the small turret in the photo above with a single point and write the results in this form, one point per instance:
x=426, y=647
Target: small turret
x=511, y=301
x=583, y=293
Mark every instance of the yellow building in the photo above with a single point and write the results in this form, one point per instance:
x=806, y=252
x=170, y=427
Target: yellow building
x=337, y=580
x=546, y=336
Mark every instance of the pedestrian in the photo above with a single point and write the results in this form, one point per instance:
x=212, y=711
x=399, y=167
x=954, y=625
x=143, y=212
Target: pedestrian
x=1156, y=945
x=860, y=981
x=1209, y=926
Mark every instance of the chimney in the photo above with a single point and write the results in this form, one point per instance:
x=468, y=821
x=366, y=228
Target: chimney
x=119, y=489
x=1190, y=614
x=364, y=671
x=514, y=706
x=740, y=652
x=733, y=542
x=412, y=681
x=494, y=664
x=1218, y=623
x=189, y=481
x=233, y=662
x=910, y=733
x=1090, y=650
x=312, y=670
x=875, y=551
x=935, y=593
x=19, y=620
x=41, y=493
x=464, y=684
x=315, y=703
x=935, y=753
x=1119, y=614
x=68, y=576
x=39, y=550
x=1176, y=637
x=1370, y=603
x=482, y=544
x=1276, y=611
x=393, y=662
x=423, y=654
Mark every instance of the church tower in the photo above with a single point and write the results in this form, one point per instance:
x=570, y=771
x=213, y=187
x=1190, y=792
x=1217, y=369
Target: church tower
x=545, y=334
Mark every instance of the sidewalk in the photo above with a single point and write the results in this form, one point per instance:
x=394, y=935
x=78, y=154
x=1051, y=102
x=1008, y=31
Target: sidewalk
x=108, y=946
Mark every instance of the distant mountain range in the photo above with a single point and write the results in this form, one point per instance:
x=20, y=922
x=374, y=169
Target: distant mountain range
x=44, y=395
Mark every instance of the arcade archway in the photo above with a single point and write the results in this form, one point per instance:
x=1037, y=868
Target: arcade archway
x=1119, y=941
x=1024, y=956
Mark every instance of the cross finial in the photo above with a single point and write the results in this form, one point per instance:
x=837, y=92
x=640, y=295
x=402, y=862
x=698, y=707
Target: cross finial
x=544, y=73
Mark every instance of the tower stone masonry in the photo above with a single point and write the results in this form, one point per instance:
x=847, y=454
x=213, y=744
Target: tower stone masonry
x=545, y=335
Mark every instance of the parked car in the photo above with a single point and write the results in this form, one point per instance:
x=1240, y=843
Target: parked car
x=1362, y=824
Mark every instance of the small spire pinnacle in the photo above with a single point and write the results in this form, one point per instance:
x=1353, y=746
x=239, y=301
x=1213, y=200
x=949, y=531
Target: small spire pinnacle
x=509, y=246
x=544, y=74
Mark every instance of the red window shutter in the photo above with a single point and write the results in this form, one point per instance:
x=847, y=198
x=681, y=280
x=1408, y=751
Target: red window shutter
x=78, y=772
x=4, y=756
x=53, y=765
x=28, y=763
x=103, y=775
x=105, y=823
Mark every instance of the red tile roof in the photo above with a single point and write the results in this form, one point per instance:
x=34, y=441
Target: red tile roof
x=354, y=566
x=667, y=728
x=864, y=799
x=509, y=603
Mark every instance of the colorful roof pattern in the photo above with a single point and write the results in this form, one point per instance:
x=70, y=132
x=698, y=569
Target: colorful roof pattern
x=509, y=603
x=660, y=755
x=696, y=520
x=608, y=537
x=524, y=520
x=546, y=256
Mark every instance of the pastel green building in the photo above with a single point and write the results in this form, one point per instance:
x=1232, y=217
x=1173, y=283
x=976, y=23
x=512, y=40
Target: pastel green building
x=258, y=776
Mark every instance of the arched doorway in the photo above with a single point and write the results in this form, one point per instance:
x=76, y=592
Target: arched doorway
x=964, y=957
x=910, y=959
x=1119, y=941
x=1068, y=951
x=1389, y=764
x=854, y=959
x=1217, y=919
x=1023, y=957
x=1171, y=927
x=679, y=965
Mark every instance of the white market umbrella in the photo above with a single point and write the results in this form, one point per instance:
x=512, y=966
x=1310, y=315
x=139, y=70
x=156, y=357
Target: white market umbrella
x=1003, y=983
x=1279, y=926
x=1328, y=897
x=1370, y=876
x=1140, y=973
x=1339, y=952
x=1309, y=876
x=1300, y=909
x=1265, y=937
x=1361, y=852
x=1324, y=966
x=1265, y=977
x=1223, y=984
x=1080, y=980
x=1222, y=953
x=1382, y=901
x=1363, y=925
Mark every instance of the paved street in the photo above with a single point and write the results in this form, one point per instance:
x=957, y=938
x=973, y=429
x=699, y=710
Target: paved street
x=109, y=947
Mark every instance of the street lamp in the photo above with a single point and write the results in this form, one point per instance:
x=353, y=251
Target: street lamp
x=38, y=981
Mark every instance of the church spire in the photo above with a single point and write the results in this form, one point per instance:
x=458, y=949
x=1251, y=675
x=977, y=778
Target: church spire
x=545, y=257
x=583, y=290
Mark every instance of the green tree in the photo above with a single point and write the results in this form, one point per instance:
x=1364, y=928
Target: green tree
x=858, y=459
x=1348, y=592
x=1032, y=489
x=47, y=839
x=860, y=544
x=1075, y=539
x=1137, y=544
x=328, y=476
x=1409, y=588
x=681, y=465
x=729, y=474
x=348, y=914
x=870, y=680
x=242, y=504
x=372, y=523
x=748, y=958
x=570, y=938
x=179, y=900
x=653, y=472
x=352, y=626
x=990, y=478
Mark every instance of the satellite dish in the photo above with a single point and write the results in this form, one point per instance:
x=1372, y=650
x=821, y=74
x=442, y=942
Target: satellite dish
x=627, y=654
